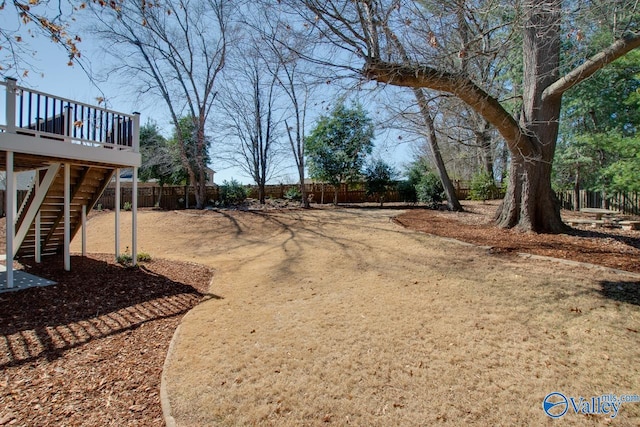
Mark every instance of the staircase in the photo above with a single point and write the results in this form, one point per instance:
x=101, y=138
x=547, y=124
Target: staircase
x=47, y=197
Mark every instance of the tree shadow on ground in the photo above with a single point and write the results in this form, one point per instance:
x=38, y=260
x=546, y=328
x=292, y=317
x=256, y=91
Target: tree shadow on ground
x=96, y=299
x=622, y=291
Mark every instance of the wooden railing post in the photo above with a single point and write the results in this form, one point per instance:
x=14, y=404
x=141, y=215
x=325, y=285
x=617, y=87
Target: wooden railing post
x=11, y=104
x=135, y=141
x=67, y=120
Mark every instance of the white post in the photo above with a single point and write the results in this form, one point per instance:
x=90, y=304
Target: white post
x=135, y=138
x=37, y=238
x=11, y=105
x=15, y=196
x=10, y=225
x=68, y=122
x=134, y=215
x=117, y=207
x=67, y=216
x=84, y=230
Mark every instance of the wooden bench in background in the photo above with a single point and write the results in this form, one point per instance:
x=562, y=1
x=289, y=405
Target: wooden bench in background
x=629, y=225
x=595, y=223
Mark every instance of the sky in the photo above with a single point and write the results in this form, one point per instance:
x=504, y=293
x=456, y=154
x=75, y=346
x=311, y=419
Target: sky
x=48, y=72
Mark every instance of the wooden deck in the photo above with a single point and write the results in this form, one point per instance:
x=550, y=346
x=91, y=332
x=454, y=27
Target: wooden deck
x=74, y=149
x=41, y=129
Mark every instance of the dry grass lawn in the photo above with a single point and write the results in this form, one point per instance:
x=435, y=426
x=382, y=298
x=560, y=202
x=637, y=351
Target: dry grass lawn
x=342, y=317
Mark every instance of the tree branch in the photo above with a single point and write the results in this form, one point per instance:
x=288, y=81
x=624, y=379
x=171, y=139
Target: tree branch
x=616, y=50
x=415, y=76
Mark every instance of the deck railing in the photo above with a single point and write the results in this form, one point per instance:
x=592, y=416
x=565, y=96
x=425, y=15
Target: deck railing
x=38, y=114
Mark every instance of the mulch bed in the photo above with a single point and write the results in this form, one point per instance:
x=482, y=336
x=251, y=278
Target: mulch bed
x=608, y=247
x=89, y=350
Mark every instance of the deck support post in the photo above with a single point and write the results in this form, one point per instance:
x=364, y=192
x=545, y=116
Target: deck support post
x=67, y=216
x=10, y=209
x=84, y=231
x=134, y=216
x=37, y=237
x=117, y=213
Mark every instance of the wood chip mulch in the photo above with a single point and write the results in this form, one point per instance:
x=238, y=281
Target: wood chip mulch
x=607, y=247
x=89, y=351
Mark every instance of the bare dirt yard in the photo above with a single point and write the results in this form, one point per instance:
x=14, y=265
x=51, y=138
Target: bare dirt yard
x=327, y=316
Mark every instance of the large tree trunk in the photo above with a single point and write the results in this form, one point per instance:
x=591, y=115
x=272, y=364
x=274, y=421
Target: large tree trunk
x=530, y=203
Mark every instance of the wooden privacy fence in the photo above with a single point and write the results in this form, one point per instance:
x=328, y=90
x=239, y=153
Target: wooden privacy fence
x=627, y=203
x=180, y=197
x=167, y=197
x=319, y=193
x=355, y=193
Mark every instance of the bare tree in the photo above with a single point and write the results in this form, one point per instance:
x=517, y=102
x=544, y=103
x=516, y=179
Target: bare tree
x=286, y=65
x=280, y=60
x=354, y=30
x=249, y=103
x=174, y=49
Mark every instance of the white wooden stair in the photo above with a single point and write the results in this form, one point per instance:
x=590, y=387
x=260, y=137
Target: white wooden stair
x=47, y=199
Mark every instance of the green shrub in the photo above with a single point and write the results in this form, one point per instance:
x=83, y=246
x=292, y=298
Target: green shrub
x=232, y=193
x=127, y=206
x=407, y=192
x=429, y=190
x=483, y=187
x=378, y=177
x=125, y=258
x=143, y=257
x=293, y=193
